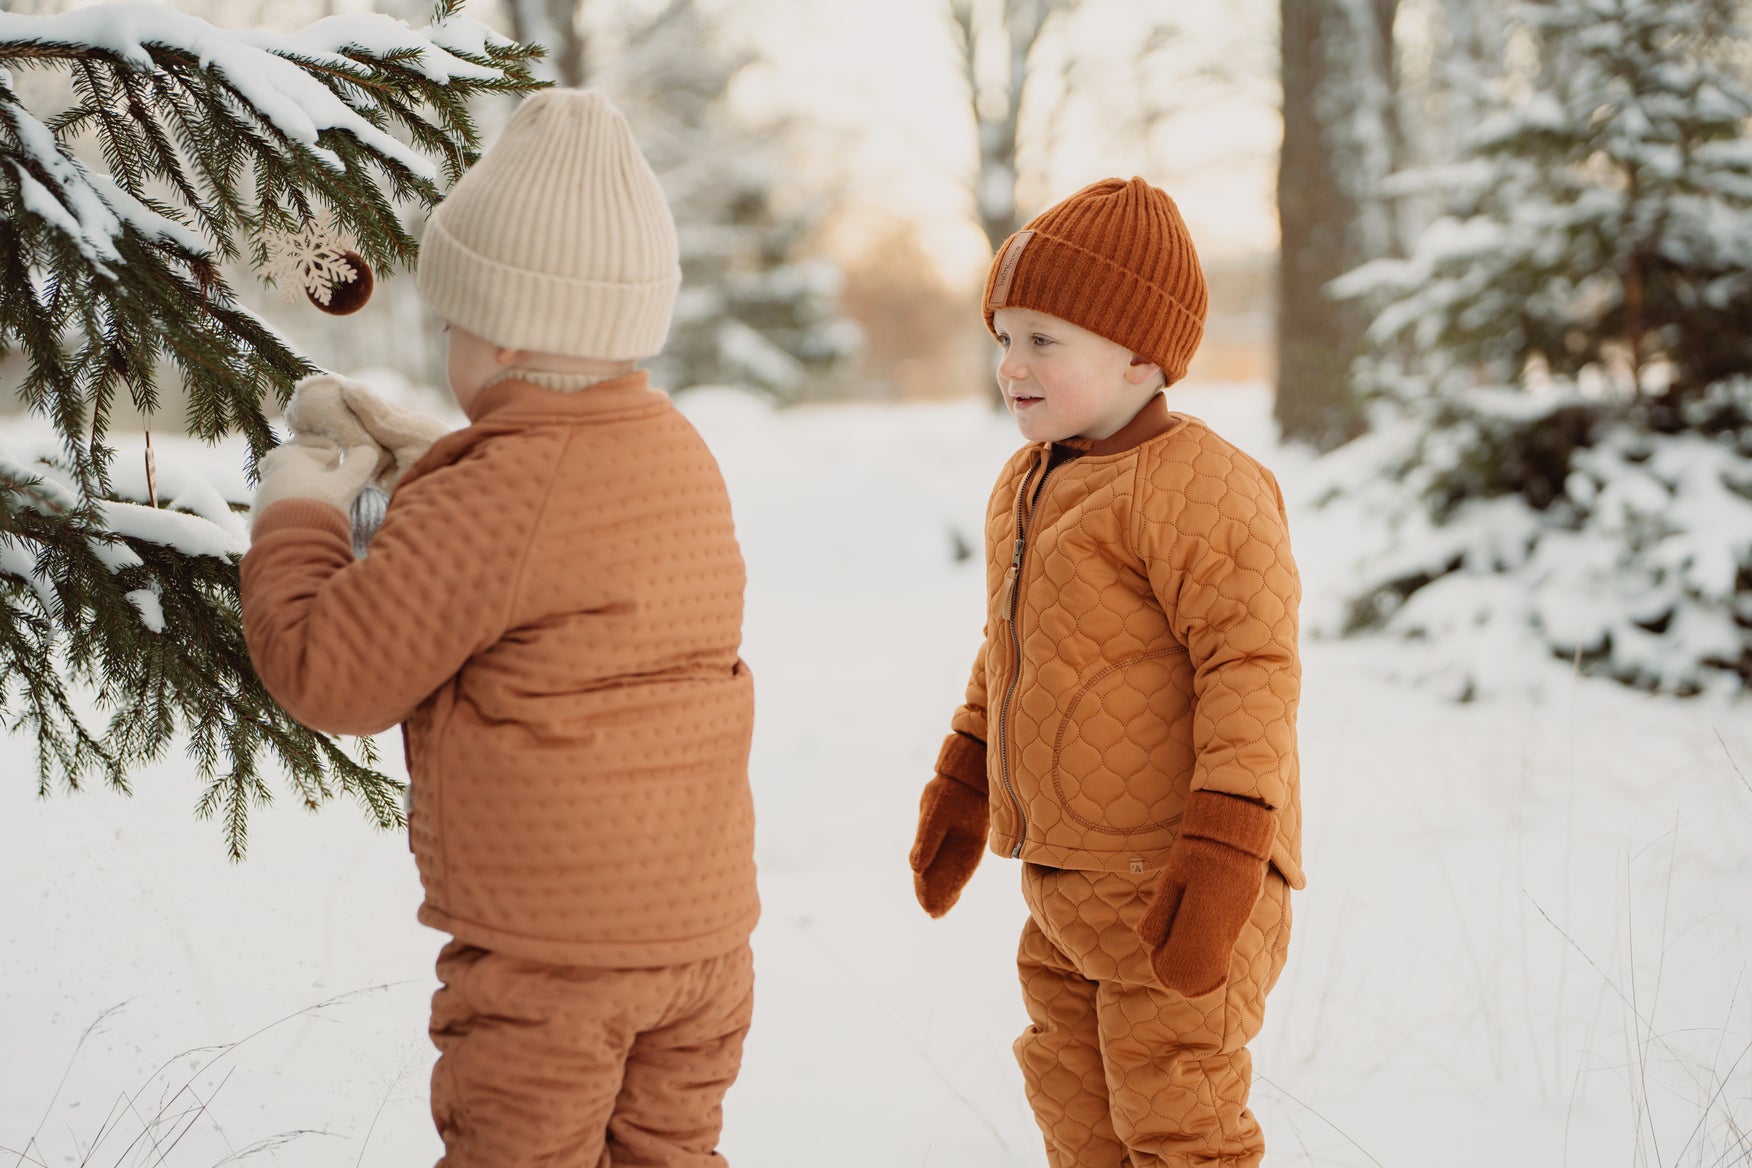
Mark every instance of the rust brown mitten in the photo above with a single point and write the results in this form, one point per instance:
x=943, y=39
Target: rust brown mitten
x=1206, y=893
x=952, y=825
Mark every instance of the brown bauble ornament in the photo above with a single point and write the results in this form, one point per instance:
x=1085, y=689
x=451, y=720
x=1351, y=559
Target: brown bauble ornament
x=348, y=296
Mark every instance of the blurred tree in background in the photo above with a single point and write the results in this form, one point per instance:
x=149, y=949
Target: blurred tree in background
x=756, y=307
x=1341, y=141
x=997, y=46
x=109, y=275
x=1031, y=68
x=1564, y=360
x=557, y=26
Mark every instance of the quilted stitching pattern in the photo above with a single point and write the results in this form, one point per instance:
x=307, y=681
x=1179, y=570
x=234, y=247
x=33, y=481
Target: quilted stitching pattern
x=1115, y=1065
x=574, y=1068
x=553, y=609
x=1154, y=650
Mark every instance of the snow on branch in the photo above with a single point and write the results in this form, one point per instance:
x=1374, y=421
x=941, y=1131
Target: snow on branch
x=196, y=519
x=253, y=134
x=432, y=50
x=269, y=70
x=88, y=208
x=105, y=583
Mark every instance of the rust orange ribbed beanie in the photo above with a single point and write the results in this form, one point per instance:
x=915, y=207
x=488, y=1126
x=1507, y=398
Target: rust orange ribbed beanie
x=1114, y=258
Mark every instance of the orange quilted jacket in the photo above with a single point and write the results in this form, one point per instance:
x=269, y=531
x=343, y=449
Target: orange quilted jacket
x=553, y=611
x=1140, y=644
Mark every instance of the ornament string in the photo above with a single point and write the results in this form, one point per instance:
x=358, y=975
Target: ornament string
x=151, y=468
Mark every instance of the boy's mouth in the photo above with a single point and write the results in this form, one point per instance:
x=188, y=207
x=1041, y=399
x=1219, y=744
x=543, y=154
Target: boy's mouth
x=1021, y=399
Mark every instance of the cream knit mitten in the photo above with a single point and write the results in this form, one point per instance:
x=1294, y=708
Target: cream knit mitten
x=330, y=459
x=315, y=467
x=402, y=434
x=318, y=407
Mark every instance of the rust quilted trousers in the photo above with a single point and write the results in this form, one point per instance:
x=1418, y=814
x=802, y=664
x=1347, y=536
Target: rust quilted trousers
x=572, y=1067
x=1121, y=1072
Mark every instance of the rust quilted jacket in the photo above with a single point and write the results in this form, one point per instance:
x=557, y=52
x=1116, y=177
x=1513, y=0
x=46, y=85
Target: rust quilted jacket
x=1140, y=644
x=553, y=611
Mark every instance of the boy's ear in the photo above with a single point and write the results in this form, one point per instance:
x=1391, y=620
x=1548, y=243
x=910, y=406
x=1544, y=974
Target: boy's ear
x=1142, y=369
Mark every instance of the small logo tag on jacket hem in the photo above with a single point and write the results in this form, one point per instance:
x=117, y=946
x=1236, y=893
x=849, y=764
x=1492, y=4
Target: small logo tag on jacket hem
x=1137, y=865
x=1007, y=268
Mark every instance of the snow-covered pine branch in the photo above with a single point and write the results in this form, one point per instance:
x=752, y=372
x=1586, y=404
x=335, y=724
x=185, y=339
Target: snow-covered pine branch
x=211, y=141
x=308, y=118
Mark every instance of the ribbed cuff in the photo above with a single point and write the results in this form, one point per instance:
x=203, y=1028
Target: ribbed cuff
x=1089, y=290
x=963, y=758
x=1239, y=823
x=539, y=312
x=291, y=513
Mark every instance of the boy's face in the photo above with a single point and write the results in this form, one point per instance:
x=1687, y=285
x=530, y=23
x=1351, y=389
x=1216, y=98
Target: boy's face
x=1062, y=381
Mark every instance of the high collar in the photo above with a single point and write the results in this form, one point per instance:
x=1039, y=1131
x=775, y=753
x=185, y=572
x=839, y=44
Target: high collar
x=516, y=398
x=1151, y=420
x=552, y=379
x=510, y=406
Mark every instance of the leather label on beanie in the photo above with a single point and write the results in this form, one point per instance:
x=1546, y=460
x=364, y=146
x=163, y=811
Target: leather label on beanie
x=1007, y=268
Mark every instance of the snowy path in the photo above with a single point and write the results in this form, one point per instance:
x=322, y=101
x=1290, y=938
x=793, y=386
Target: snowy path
x=1524, y=941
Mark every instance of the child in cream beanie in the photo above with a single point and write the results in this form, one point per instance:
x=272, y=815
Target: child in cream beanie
x=552, y=611
x=559, y=239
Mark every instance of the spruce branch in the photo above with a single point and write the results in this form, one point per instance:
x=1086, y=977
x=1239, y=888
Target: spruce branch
x=110, y=276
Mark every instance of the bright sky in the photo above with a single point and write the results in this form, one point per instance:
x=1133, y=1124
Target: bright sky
x=881, y=84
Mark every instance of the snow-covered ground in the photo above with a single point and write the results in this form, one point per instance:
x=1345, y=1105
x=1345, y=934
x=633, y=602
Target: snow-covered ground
x=1524, y=942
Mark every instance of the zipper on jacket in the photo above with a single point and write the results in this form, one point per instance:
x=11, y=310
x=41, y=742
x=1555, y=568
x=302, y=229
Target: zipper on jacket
x=1008, y=600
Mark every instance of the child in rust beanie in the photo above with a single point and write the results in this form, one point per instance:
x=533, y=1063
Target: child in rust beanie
x=552, y=611
x=1129, y=727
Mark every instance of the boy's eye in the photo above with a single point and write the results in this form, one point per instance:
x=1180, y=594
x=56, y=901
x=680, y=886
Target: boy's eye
x=1004, y=340
x=1040, y=341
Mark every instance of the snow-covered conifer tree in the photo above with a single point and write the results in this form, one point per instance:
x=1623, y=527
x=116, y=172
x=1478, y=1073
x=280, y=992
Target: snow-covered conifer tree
x=752, y=311
x=1567, y=358
x=118, y=580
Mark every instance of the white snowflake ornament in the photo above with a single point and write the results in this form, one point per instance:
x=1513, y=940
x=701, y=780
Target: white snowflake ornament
x=315, y=261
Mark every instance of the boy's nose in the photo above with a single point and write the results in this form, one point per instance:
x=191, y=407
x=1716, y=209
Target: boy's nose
x=1010, y=367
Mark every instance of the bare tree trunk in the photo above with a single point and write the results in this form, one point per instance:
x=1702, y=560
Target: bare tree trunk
x=1340, y=142
x=996, y=101
x=557, y=26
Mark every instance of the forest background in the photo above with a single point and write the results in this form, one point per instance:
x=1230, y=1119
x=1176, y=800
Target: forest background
x=1481, y=297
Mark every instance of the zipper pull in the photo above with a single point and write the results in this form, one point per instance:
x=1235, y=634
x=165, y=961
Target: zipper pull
x=1007, y=594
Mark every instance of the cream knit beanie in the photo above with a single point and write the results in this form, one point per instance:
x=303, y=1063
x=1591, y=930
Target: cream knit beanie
x=559, y=239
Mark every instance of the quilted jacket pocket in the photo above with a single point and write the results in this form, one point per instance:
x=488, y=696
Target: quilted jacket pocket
x=1122, y=752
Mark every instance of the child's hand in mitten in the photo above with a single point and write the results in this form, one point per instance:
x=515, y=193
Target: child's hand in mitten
x=315, y=467
x=405, y=434
x=1206, y=894
x=953, y=819
x=319, y=408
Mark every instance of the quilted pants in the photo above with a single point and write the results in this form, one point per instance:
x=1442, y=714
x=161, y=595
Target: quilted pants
x=568, y=1067
x=1121, y=1072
